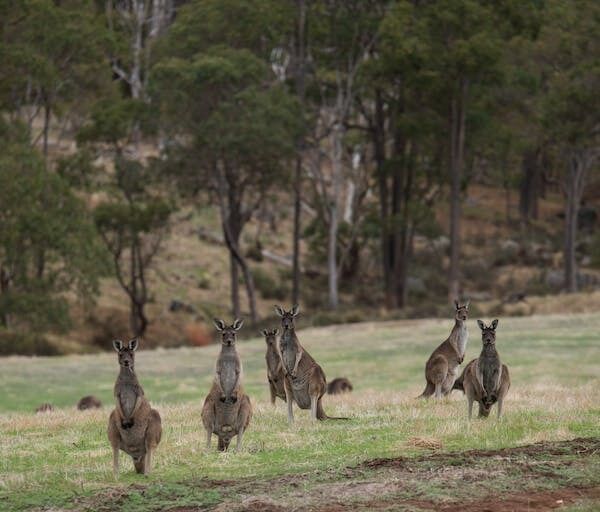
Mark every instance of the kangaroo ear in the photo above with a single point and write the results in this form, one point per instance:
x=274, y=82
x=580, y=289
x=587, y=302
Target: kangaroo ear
x=494, y=323
x=219, y=324
x=279, y=310
x=133, y=344
x=264, y=332
x=275, y=331
x=456, y=305
x=295, y=310
x=237, y=324
x=466, y=306
x=481, y=324
x=118, y=344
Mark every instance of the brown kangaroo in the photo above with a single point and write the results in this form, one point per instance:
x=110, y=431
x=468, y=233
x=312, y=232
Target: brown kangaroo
x=133, y=426
x=89, y=402
x=229, y=366
x=227, y=410
x=441, y=368
x=275, y=373
x=485, y=380
x=305, y=381
x=339, y=385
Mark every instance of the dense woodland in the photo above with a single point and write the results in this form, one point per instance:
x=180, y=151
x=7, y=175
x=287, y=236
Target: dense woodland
x=349, y=122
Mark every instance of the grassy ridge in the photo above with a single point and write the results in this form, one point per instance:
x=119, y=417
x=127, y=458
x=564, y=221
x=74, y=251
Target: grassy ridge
x=55, y=459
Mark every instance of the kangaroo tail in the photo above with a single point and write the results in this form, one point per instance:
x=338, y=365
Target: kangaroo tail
x=322, y=415
x=428, y=391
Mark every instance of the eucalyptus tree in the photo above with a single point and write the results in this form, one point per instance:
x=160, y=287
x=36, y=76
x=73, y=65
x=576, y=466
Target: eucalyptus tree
x=53, y=56
x=572, y=49
x=133, y=218
x=342, y=35
x=41, y=213
x=232, y=123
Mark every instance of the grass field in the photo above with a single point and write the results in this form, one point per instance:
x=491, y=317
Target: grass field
x=394, y=453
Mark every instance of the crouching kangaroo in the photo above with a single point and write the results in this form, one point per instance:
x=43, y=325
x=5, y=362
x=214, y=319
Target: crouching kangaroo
x=305, y=381
x=485, y=380
x=227, y=410
x=441, y=368
x=275, y=374
x=133, y=426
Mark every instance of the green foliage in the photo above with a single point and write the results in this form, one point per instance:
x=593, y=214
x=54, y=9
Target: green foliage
x=53, y=54
x=571, y=37
x=48, y=244
x=113, y=119
x=269, y=287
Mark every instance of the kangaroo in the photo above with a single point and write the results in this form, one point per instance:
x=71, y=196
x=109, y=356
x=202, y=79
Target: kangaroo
x=229, y=366
x=46, y=407
x=89, y=402
x=441, y=368
x=485, y=380
x=133, y=426
x=305, y=381
x=339, y=385
x=227, y=410
x=275, y=373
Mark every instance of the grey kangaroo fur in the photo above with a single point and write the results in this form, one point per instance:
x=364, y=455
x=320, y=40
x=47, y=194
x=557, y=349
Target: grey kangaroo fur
x=133, y=426
x=339, y=385
x=441, y=368
x=305, y=382
x=227, y=410
x=485, y=380
x=275, y=374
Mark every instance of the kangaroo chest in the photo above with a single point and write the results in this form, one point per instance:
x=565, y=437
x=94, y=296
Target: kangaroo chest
x=289, y=350
x=273, y=362
x=128, y=398
x=462, y=337
x=127, y=393
x=229, y=370
x=489, y=366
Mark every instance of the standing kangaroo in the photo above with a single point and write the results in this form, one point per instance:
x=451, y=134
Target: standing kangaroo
x=305, y=381
x=485, y=380
x=275, y=373
x=133, y=426
x=227, y=410
x=441, y=368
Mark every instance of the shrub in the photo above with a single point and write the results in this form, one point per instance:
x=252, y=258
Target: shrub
x=16, y=343
x=268, y=287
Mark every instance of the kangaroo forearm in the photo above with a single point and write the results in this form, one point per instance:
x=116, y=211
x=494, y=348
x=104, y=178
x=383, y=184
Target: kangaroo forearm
x=298, y=357
x=138, y=403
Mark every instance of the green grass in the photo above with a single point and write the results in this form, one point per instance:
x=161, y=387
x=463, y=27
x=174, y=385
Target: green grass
x=61, y=459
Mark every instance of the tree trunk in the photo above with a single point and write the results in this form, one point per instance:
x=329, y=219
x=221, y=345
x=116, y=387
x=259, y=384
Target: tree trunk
x=530, y=185
x=300, y=90
x=378, y=134
x=138, y=322
x=332, y=257
x=237, y=259
x=457, y=135
x=578, y=165
x=46, y=133
x=228, y=195
x=4, y=285
x=235, y=286
x=334, y=214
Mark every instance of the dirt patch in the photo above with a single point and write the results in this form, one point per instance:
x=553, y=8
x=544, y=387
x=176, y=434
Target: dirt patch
x=579, y=446
x=541, y=476
x=518, y=502
x=543, y=500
